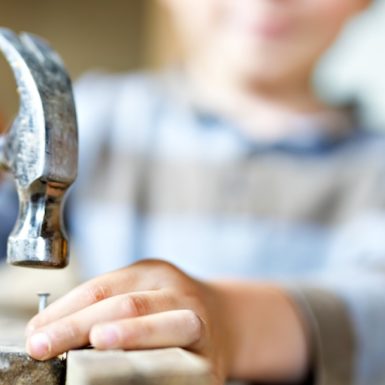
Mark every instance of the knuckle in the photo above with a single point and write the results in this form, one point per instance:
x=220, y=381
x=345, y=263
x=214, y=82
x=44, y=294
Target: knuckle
x=68, y=331
x=168, y=299
x=143, y=332
x=160, y=264
x=135, y=305
x=97, y=292
x=137, y=335
x=71, y=330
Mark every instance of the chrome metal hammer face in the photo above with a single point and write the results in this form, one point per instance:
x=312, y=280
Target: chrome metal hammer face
x=40, y=150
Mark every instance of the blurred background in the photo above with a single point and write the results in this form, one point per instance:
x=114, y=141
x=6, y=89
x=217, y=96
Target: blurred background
x=131, y=34
x=127, y=35
x=89, y=34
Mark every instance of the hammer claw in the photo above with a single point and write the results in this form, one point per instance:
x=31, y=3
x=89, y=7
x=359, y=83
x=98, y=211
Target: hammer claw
x=42, y=50
x=40, y=149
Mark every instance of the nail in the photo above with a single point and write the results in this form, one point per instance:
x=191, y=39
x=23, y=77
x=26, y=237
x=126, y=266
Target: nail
x=43, y=301
x=39, y=346
x=106, y=336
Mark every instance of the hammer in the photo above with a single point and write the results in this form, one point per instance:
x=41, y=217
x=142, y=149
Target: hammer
x=40, y=151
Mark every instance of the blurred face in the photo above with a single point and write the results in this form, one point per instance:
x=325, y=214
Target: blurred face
x=264, y=39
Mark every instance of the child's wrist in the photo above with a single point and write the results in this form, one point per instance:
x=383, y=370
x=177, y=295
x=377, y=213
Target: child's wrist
x=228, y=324
x=265, y=337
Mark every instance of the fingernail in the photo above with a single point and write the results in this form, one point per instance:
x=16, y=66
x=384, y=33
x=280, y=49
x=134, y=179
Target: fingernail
x=39, y=345
x=105, y=336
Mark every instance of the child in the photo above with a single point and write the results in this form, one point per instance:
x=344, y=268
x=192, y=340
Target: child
x=230, y=169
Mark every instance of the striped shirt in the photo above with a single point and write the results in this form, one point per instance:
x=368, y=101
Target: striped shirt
x=161, y=178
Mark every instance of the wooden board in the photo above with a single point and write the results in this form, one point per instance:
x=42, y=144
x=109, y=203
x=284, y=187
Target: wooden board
x=148, y=367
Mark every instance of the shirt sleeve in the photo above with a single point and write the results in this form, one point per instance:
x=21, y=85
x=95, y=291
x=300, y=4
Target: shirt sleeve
x=344, y=306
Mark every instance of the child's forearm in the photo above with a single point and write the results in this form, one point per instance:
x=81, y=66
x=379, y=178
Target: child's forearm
x=269, y=338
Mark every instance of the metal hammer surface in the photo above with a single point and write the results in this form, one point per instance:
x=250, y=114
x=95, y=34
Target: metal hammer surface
x=40, y=150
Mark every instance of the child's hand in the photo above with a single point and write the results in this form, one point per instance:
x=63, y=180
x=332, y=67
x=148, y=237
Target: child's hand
x=247, y=330
x=150, y=304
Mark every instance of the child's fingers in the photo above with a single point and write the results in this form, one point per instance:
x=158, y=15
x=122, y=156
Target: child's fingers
x=73, y=331
x=85, y=295
x=176, y=328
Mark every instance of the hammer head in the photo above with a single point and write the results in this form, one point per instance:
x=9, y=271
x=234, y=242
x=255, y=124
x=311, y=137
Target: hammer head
x=40, y=150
